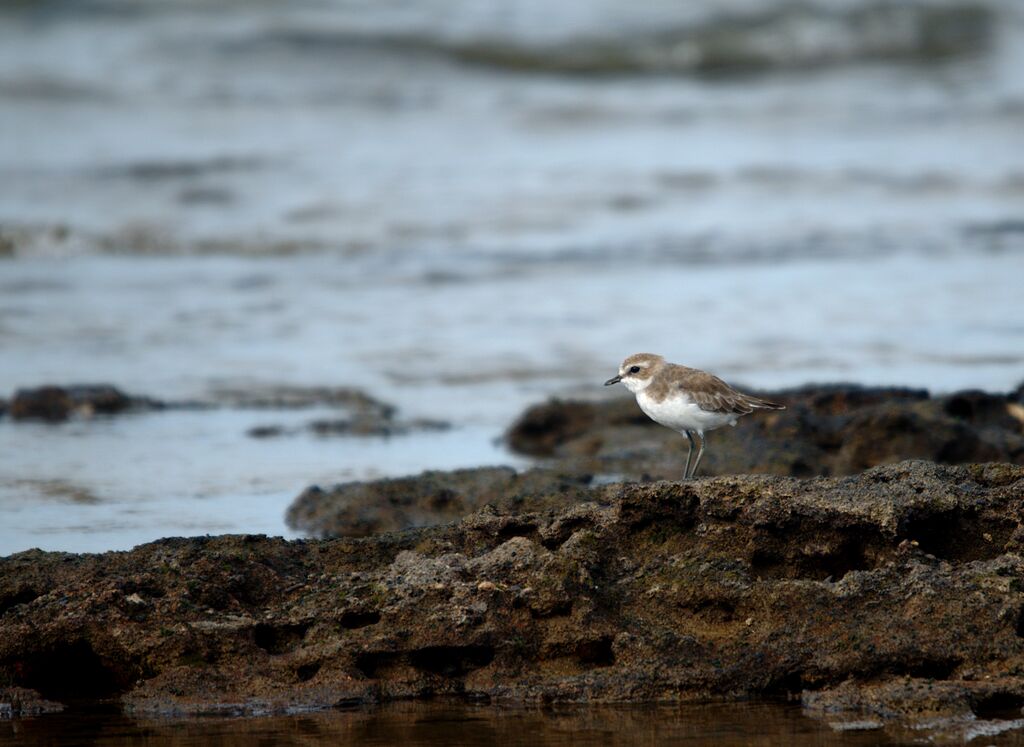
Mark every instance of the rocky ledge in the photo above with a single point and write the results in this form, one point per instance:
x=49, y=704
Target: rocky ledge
x=835, y=429
x=826, y=430
x=887, y=595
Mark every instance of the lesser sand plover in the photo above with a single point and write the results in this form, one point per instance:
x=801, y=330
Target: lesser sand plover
x=685, y=399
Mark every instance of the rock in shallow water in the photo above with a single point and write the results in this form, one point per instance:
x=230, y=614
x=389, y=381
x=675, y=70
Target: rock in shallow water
x=729, y=587
x=825, y=430
x=58, y=403
x=19, y=702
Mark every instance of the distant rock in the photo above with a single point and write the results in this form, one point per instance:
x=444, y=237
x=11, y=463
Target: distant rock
x=292, y=397
x=55, y=404
x=363, y=415
x=875, y=598
x=358, y=423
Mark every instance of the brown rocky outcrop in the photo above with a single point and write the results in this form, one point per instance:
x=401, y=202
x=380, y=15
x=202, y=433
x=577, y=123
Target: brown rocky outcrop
x=725, y=588
x=825, y=430
x=359, y=509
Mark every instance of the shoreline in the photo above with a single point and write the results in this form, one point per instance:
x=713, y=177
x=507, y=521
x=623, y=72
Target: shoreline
x=729, y=587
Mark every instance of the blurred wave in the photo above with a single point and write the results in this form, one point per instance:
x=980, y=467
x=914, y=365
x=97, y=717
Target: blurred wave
x=507, y=126
x=786, y=37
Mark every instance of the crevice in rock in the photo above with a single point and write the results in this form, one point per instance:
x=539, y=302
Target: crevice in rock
x=71, y=671
x=448, y=661
x=565, y=531
x=785, y=685
x=560, y=609
x=517, y=529
x=718, y=611
x=24, y=595
x=933, y=669
x=451, y=661
x=998, y=706
x=597, y=653
x=359, y=619
x=959, y=537
x=822, y=554
x=306, y=672
x=372, y=663
x=279, y=639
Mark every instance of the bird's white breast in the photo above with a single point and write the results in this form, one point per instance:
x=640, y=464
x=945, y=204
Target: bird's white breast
x=680, y=413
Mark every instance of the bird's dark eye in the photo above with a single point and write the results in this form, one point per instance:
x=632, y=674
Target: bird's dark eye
x=634, y=369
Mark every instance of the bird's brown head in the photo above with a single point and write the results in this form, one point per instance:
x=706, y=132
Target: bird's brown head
x=636, y=371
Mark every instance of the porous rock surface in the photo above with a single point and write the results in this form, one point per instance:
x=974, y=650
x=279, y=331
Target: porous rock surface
x=726, y=587
x=838, y=429
x=359, y=509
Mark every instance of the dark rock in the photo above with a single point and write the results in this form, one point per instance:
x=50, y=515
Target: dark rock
x=360, y=424
x=961, y=709
x=287, y=397
x=825, y=430
x=358, y=509
x=364, y=416
x=20, y=702
x=363, y=426
x=266, y=431
x=55, y=404
x=711, y=588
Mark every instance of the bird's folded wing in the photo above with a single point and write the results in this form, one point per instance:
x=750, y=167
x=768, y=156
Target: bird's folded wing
x=712, y=394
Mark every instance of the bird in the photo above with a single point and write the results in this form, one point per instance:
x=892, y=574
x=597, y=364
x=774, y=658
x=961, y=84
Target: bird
x=685, y=399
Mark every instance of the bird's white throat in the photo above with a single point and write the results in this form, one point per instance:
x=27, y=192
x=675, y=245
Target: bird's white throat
x=637, y=385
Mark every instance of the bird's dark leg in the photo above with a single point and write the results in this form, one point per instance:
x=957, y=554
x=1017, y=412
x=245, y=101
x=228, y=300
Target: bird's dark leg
x=689, y=452
x=700, y=453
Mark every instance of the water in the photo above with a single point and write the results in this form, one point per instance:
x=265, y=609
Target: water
x=466, y=207
x=423, y=725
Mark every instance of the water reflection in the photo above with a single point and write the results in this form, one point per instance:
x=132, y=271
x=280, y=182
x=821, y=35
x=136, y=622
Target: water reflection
x=427, y=724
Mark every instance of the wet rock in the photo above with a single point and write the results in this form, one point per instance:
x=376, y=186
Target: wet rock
x=369, y=427
x=266, y=431
x=56, y=404
x=711, y=588
x=20, y=702
x=358, y=509
x=287, y=397
x=825, y=430
x=8, y=246
x=363, y=415
x=963, y=708
x=360, y=423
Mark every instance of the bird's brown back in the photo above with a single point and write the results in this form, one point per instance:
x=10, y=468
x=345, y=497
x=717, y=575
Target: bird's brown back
x=708, y=391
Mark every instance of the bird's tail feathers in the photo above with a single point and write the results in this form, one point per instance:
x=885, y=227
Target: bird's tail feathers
x=762, y=404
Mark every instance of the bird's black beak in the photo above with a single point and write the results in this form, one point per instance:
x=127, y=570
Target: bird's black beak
x=613, y=380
